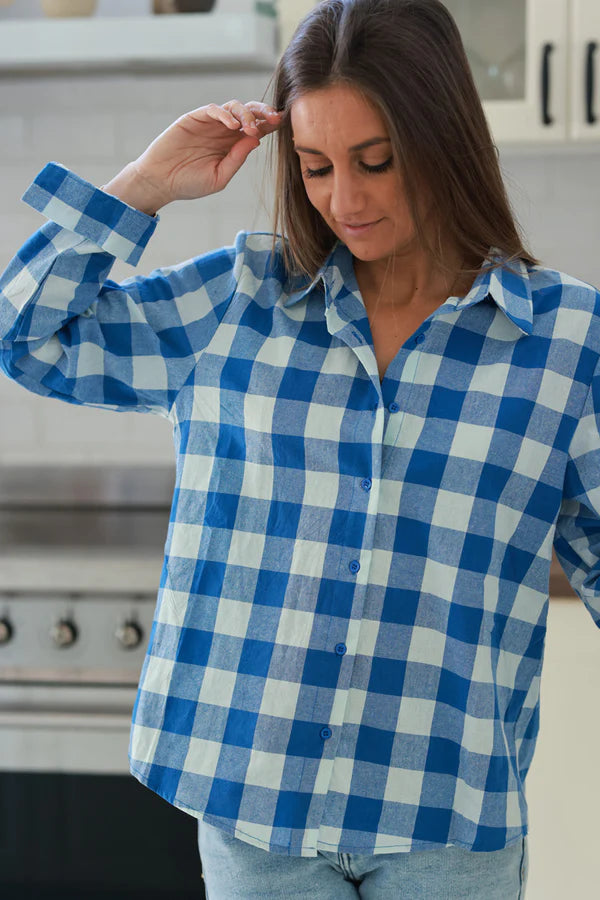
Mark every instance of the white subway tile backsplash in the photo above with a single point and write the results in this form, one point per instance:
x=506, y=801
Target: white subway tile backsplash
x=171, y=93
x=532, y=178
x=15, y=176
x=135, y=130
x=75, y=136
x=556, y=198
x=13, y=131
x=68, y=425
x=86, y=434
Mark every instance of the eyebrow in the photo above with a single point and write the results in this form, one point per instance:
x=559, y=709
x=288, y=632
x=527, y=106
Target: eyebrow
x=369, y=143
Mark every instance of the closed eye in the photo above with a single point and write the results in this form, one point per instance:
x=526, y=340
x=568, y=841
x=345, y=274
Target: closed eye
x=382, y=167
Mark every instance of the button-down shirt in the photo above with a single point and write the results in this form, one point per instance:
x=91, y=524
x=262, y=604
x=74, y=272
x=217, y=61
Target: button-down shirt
x=349, y=630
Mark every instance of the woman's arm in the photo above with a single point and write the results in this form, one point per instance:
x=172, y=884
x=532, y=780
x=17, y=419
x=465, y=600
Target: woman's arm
x=577, y=536
x=68, y=332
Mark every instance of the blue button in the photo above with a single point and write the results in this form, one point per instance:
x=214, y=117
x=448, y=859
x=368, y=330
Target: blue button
x=393, y=407
x=325, y=733
x=366, y=484
x=419, y=338
x=354, y=565
x=340, y=649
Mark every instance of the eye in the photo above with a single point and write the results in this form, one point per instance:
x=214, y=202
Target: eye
x=382, y=167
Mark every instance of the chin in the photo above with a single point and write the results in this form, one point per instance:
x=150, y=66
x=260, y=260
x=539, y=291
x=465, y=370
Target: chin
x=368, y=253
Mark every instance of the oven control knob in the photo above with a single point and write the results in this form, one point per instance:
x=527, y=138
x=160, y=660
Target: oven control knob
x=64, y=633
x=129, y=634
x=6, y=631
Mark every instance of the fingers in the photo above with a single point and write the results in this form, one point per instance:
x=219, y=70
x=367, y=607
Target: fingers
x=252, y=117
x=223, y=114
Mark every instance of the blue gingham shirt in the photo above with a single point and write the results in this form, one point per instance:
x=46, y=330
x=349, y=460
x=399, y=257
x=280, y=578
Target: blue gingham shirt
x=349, y=631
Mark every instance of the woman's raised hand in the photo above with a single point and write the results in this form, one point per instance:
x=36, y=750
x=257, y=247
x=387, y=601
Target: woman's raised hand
x=197, y=155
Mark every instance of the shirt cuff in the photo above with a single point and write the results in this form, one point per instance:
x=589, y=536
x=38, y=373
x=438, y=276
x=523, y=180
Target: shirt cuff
x=79, y=206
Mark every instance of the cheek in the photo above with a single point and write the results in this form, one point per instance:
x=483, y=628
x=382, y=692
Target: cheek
x=393, y=190
x=315, y=196
x=397, y=201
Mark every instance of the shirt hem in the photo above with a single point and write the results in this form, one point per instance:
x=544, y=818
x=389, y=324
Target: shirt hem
x=284, y=849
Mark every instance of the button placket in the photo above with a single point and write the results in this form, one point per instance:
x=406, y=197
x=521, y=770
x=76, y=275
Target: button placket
x=394, y=422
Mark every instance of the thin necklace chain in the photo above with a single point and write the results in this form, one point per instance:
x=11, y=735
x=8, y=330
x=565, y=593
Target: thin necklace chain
x=373, y=313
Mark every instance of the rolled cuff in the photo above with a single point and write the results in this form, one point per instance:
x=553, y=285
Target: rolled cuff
x=79, y=206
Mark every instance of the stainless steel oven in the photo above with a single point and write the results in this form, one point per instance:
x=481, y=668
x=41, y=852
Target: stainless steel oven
x=80, y=560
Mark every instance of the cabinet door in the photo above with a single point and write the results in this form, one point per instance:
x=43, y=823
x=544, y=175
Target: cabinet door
x=518, y=52
x=584, y=80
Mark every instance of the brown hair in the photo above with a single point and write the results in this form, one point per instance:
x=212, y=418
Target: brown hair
x=407, y=58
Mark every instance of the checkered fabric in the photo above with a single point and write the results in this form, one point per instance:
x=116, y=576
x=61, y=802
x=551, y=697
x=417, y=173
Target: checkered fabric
x=350, y=623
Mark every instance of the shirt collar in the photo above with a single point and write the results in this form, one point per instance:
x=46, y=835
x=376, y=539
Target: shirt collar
x=508, y=286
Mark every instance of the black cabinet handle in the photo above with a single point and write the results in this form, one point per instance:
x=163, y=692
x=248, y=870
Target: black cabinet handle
x=589, y=83
x=546, y=117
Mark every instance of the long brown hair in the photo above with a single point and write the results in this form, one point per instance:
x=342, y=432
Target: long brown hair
x=408, y=59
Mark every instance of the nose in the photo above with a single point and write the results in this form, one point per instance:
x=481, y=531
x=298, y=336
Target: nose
x=348, y=195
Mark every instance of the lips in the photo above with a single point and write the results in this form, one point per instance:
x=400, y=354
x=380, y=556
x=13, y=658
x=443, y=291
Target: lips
x=359, y=229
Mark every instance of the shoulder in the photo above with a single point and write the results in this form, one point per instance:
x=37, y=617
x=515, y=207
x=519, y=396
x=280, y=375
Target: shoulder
x=565, y=289
x=572, y=304
x=258, y=259
x=261, y=252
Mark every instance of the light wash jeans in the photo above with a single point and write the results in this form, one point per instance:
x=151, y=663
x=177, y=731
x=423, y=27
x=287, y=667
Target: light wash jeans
x=235, y=870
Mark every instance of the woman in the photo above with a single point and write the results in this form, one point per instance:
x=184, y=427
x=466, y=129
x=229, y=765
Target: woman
x=384, y=420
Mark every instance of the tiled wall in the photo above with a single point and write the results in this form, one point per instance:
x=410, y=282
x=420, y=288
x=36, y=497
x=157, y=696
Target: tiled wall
x=96, y=123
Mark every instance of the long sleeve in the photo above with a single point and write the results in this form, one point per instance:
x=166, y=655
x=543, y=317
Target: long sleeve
x=577, y=537
x=68, y=332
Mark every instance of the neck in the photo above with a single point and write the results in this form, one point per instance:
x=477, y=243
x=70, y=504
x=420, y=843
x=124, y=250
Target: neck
x=402, y=280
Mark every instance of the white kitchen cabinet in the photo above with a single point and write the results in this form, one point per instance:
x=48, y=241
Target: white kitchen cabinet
x=535, y=66
x=584, y=71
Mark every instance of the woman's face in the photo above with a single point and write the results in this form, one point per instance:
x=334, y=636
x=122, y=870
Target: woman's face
x=354, y=186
